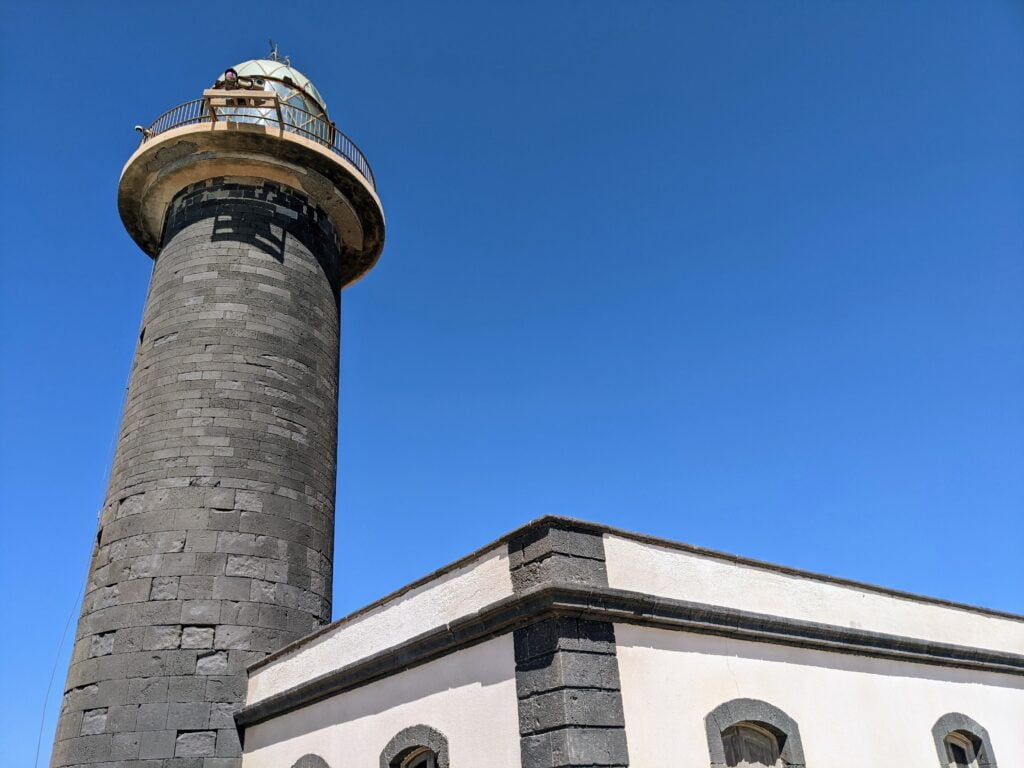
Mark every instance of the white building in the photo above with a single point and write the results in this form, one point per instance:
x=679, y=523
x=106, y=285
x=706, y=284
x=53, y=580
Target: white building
x=571, y=644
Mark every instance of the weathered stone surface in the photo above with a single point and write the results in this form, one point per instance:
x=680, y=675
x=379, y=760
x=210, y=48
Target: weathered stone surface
x=216, y=538
x=197, y=637
x=94, y=721
x=212, y=664
x=196, y=744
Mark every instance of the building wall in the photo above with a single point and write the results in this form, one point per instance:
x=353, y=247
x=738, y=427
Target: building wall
x=458, y=593
x=469, y=696
x=687, y=575
x=852, y=711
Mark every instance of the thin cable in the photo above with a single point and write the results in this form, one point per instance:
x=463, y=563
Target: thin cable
x=111, y=448
x=56, y=661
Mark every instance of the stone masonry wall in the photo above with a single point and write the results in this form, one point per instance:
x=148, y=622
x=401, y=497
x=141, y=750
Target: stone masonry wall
x=215, y=541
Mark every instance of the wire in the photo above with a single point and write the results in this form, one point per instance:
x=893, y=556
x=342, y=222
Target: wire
x=56, y=661
x=111, y=448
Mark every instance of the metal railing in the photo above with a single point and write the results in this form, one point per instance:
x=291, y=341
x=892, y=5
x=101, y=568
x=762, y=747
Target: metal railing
x=295, y=120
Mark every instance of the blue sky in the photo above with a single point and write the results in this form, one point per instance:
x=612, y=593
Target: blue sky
x=746, y=275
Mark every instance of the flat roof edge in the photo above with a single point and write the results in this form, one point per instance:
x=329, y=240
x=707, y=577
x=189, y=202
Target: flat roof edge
x=625, y=607
x=585, y=525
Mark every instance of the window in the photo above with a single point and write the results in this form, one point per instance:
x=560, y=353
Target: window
x=747, y=733
x=310, y=761
x=420, y=758
x=746, y=744
x=418, y=746
x=960, y=752
x=962, y=743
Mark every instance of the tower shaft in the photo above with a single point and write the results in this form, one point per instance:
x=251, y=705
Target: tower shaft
x=216, y=537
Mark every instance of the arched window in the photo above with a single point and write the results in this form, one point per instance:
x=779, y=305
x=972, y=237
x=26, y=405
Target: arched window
x=420, y=758
x=960, y=752
x=419, y=746
x=747, y=733
x=962, y=743
x=747, y=744
x=310, y=761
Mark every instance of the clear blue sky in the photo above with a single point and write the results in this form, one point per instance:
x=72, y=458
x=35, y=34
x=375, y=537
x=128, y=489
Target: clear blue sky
x=749, y=275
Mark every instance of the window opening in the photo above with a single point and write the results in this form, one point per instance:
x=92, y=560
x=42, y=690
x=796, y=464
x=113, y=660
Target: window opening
x=420, y=758
x=960, y=752
x=748, y=745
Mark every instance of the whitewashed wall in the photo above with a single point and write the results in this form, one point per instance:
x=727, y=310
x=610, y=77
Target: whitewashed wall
x=852, y=711
x=469, y=696
x=458, y=593
x=668, y=572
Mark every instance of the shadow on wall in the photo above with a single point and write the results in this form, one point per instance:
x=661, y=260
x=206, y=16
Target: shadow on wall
x=256, y=231
x=482, y=665
x=712, y=645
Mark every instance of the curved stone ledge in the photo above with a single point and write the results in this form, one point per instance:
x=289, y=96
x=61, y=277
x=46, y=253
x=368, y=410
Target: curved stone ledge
x=165, y=164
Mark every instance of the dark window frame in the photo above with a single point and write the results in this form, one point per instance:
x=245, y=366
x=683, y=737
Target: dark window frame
x=759, y=713
x=310, y=761
x=413, y=738
x=964, y=726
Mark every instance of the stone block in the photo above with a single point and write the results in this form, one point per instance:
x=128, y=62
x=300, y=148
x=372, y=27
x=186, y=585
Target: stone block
x=156, y=744
x=574, y=707
x=575, y=747
x=164, y=588
x=102, y=644
x=129, y=640
x=223, y=715
x=196, y=744
x=265, y=592
x=84, y=749
x=70, y=725
x=125, y=746
x=188, y=715
x=147, y=690
x=555, y=538
x=220, y=498
x=152, y=717
x=162, y=638
x=122, y=718
x=245, y=565
x=277, y=570
x=231, y=588
x=563, y=634
x=567, y=670
x=186, y=688
x=221, y=520
x=229, y=637
x=225, y=689
x=228, y=744
x=179, y=662
x=211, y=564
x=201, y=541
x=197, y=637
x=200, y=612
x=94, y=721
x=212, y=664
x=159, y=612
x=196, y=587
x=559, y=569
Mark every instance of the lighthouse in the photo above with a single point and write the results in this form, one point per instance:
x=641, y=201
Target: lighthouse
x=214, y=544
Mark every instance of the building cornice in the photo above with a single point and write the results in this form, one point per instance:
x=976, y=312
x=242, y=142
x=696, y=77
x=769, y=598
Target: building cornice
x=595, y=528
x=619, y=606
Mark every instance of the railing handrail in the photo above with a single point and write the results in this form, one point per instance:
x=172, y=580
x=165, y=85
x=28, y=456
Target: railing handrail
x=195, y=111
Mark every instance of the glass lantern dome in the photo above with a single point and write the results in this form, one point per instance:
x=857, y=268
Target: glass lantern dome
x=302, y=107
x=291, y=85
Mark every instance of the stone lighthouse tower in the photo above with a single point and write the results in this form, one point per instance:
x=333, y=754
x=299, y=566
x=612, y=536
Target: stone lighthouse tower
x=215, y=541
